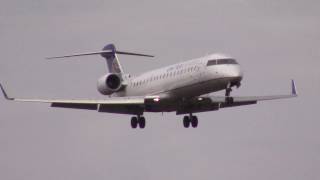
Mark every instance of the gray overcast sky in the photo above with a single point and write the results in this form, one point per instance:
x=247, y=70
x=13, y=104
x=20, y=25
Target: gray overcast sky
x=274, y=41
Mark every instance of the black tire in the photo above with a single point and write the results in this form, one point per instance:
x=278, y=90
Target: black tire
x=134, y=122
x=194, y=121
x=186, y=121
x=229, y=100
x=142, y=122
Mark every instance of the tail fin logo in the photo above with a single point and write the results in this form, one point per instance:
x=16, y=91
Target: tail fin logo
x=115, y=66
x=112, y=60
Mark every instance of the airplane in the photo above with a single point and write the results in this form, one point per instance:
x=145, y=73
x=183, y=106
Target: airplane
x=185, y=88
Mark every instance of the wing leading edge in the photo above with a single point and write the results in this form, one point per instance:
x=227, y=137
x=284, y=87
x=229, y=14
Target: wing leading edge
x=81, y=104
x=247, y=99
x=214, y=103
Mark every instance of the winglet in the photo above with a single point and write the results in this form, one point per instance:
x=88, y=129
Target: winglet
x=5, y=94
x=293, y=88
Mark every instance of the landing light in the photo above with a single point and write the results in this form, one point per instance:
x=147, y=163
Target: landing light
x=156, y=99
x=200, y=98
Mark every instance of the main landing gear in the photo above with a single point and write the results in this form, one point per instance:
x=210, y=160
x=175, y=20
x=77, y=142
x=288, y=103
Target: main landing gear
x=190, y=120
x=138, y=121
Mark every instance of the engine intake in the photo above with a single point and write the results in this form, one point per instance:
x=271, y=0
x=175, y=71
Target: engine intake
x=109, y=84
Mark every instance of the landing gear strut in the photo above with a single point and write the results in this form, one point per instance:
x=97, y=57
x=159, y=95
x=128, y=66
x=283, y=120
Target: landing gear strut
x=228, y=90
x=229, y=100
x=138, y=121
x=190, y=120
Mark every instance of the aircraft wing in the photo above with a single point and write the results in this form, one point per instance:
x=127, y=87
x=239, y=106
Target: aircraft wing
x=114, y=100
x=81, y=104
x=213, y=103
x=242, y=99
x=246, y=100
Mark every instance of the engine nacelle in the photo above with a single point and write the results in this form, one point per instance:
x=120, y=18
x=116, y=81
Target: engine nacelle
x=109, y=84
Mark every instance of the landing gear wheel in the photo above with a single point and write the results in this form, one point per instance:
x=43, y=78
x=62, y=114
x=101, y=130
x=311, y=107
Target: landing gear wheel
x=194, y=121
x=238, y=84
x=229, y=100
x=186, y=121
x=134, y=122
x=142, y=122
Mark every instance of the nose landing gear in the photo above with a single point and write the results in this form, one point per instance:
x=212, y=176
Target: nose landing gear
x=228, y=91
x=228, y=99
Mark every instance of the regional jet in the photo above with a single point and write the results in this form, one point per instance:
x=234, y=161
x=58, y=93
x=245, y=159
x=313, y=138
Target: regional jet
x=185, y=88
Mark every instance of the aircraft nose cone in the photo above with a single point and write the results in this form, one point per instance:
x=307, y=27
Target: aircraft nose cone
x=236, y=72
x=239, y=74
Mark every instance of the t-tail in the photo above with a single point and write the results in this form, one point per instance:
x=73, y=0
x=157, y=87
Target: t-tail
x=113, y=63
x=109, y=52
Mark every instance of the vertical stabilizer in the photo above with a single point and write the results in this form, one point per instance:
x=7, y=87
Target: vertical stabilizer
x=113, y=63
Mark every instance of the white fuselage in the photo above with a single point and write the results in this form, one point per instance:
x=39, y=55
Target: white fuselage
x=186, y=79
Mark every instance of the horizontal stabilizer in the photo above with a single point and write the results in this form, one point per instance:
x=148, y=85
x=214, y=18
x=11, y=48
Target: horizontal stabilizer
x=103, y=52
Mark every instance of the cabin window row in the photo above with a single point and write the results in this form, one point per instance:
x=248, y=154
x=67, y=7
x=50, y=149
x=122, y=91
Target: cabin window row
x=166, y=75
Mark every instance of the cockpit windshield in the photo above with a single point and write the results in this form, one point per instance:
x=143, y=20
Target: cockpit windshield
x=221, y=61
